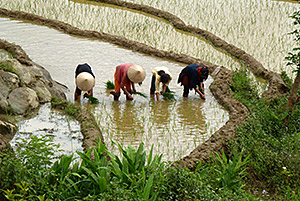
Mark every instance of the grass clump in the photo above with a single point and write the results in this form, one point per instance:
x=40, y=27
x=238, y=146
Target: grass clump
x=92, y=99
x=68, y=107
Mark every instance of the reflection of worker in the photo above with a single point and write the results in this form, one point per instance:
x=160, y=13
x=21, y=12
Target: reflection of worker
x=191, y=77
x=124, y=118
x=125, y=77
x=84, y=80
x=160, y=75
x=190, y=112
x=160, y=112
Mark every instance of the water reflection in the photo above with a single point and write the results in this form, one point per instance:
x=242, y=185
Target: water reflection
x=190, y=113
x=160, y=113
x=125, y=119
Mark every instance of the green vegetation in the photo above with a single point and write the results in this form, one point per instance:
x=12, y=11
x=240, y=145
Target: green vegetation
x=30, y=174
x=69, y=108
x=92, y=99
x=109, y=85
x=274, y=146
x=169, y=96
x=7, y=66
x=264, y=157
x=294, y=60
x=265, y=152
x=140, y=93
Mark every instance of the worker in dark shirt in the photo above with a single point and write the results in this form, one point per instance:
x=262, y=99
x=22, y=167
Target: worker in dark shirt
x=84, y=79
x=192, y=77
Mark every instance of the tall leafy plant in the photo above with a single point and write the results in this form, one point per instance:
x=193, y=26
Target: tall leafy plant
x=230, y=171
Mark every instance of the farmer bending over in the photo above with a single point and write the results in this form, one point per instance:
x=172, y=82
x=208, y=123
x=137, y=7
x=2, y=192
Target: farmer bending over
x=192, y=77
x=84, y=80
x=125, y=77
x=160, y=75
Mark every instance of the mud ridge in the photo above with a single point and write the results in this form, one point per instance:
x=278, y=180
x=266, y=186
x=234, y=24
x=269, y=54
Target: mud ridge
x=16, y=51
x=220, y=86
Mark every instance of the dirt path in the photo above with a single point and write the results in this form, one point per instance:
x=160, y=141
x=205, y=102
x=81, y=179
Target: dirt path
x=220, y=86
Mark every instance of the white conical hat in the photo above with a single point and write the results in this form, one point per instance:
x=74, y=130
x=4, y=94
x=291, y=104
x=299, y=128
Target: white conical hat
x=85, y=81
x=136, y=73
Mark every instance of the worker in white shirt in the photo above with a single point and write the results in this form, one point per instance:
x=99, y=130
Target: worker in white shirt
x=160, y=75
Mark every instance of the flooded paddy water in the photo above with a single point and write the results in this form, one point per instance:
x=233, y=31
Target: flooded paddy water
x=175, y=128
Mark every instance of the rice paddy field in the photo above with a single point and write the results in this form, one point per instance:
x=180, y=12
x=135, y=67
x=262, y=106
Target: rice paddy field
x=259, y=27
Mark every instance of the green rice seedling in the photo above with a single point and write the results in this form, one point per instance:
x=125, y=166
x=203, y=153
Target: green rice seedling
x=169, y=96
x=92, y=99
x=109, y=85
x=141, y=94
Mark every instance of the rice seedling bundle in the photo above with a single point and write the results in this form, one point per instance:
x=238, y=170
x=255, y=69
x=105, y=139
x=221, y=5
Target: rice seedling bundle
x=109, y=85
x=169, y=95
x=92, y=99
x=140, y=93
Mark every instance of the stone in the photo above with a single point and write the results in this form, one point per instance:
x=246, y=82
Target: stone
x=4, y=145
x=23, y=99
x=43, y=93
x=7, y=129
x=8, y=82
x=3, y=104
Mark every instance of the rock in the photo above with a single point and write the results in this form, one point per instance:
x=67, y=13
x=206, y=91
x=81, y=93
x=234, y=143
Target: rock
x=3, y=104
x=43, y=93
x=8, y=82
x=38, y=78
x=4, y=145
x=34, y=77
x=7, y=129
x=23, y=99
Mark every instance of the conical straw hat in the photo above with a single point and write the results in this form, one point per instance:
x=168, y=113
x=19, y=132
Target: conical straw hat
x=85, y=81
x=136, y=73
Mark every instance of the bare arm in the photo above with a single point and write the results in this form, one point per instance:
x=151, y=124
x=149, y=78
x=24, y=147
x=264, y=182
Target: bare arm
x=199, y=92
x=126, y=92
x=157, y=96
x=133, y=87
x=201, y=86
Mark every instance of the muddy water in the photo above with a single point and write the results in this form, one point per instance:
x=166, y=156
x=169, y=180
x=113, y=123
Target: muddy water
x=175, y=128
x=64, y=130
